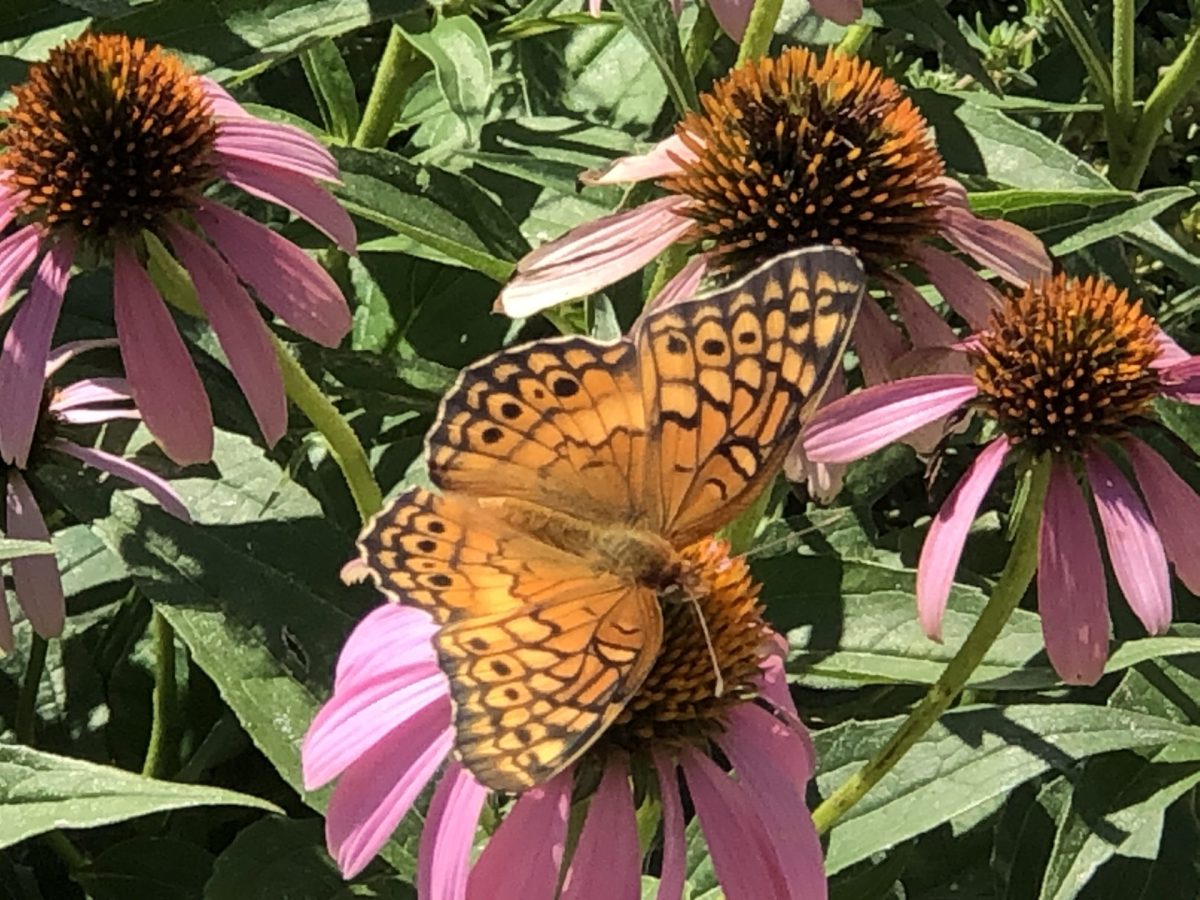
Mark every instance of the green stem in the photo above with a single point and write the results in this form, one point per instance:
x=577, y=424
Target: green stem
x=856, y=35
x=1123, y=64
x=162, y=750
x=759, y=30
x=1172, y=87
x=344, y=444
x=704, y=32
x=35, y=667
x=72, y=858
x=1014, y=580
x=399, y=67
x=1088, y=52
x=670, y=262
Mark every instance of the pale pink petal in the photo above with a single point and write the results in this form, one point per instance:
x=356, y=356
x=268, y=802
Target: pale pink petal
x=732, y=16
x=159, y=488
x=877, y=341
x=444, y=860
x=90, y=391
x=388, y=641
x=680, y=289
x=594, y=7
x=1175, y=508
x=96, y=415
x=10, y=201
x=840, y=12
x=823, y=480
x=285, y=278
x=858, y=425
x=1170, y=354
x=742, y=852
x=64, y=353
x=301, y=195
x=17, y=253
x=165, y=383
x=274, y=145
x=522, y=859
x=925, y=327
x=961, y=287
x=948, y=534
x=594, y=256
x=674, y=852
x=1012, y=252
x=26, y=350
x=607, y=862
x=376, y=792
x=36, y=581
x=239, y=329
x=664, y=158
x=1072, y=597
x=772, y=680
x=223, y=104
x=1134, y=547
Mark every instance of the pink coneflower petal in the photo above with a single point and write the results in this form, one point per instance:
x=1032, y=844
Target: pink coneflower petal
x=680, y=289
x=757, y=736
x=662, y=159
x=522, y=859
x=26, y=350
x=274, y=145
x=295, y=192
x=239, y=329
x=948, y=534
x=10, y=201
x=165, y=383
x=594, y=256
x=823, y=480
x=1175, y=508
x=674, y=851
x=877, y=341
x=1070, y=581
x=17, y=253
x=285, y=278
x=925, y=327
x=1012, y=252
x=1134, y=547
x=862, y=423
x=159, y=488
x=742, y=853
x=90, y=391
x=961, y=287
x=375, y=793
x=444, y=859
x=840, y=12
x=98, y=415
x=1171, y=355
x=773, y=681
x=36, y=581
x=607, y=862
x=64, y=353
x=732, y=16
x=388, y=642
x=223, y=104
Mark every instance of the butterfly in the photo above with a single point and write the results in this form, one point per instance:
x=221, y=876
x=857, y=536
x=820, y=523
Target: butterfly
x=571, y=473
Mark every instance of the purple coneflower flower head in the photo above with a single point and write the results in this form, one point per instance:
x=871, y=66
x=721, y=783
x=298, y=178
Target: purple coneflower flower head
x=89, y=401
x=733, y=15
x=1068, y=368
x=388, y=731
x=110, y=139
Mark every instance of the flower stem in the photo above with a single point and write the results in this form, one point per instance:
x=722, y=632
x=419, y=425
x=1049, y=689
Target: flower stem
x=1123, y=64
x=344, y=444
x=1081, y=38
x=35, y=666
x=399, y=68
x=161, y=751
x=1014, y=580
x=856, y=35
x=759, y=30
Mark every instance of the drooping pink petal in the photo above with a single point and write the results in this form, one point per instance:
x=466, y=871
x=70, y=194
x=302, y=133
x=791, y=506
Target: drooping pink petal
x=594, y=256
x=961, y=287
x=758, y=738
x=1134, y=547
x=663, y=159
x=607, y=862
x=64, y=353
x=26, y=350
x=301, y=195
x=165, y=383
x=287, y=280
x=239, y=329
x=444, y=859
x=159, y=488
x=1070, y=582
x=522, y=859
x=378, y=789
x=594, y=7
x=858, y=425
x=840, y=12
x=274, y=145
x=1170, y=355
x=680, y=289
x=674, y=852
x=390, y=640
x=91, y=391
x=17, y=253
x=948, y=534
x=925, y=327
x=732, y=16
x=1012, y=252
x=10, y=201
x=223, y=104
x=772, y=683
x=877, y=341
x=36, y=581
x=1175, y=508
x=742, y=853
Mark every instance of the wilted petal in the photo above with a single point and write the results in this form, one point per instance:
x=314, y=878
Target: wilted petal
x=166, y=385
x=607, y=862
x=1134, y=547
x=36, y=581
x=275, y=145
x=26, y=351
x=594, y=255
x=841, y=12
x=159, y=488
x=674, y=851
x=1012, y=252
x=877, y=341
x=948, y=534
x=1175, y=508
x=732, y=16
x=961, y=287
x=663, y=159
x=1072, y=597
x=860, y=424
x=239, y=329
x=448, y=835
x=287, y=280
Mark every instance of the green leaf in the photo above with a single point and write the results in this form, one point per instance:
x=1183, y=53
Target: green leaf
x=970, y=757
x=654, y=25
x=40, y=792
x=462, y=63
x=12, y=548
x=332, y=87
x=158, y=867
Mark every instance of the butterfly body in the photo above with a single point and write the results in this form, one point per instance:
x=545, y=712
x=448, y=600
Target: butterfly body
x=573, y=473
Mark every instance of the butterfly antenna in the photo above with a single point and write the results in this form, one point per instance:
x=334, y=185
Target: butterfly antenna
x=719, y=686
